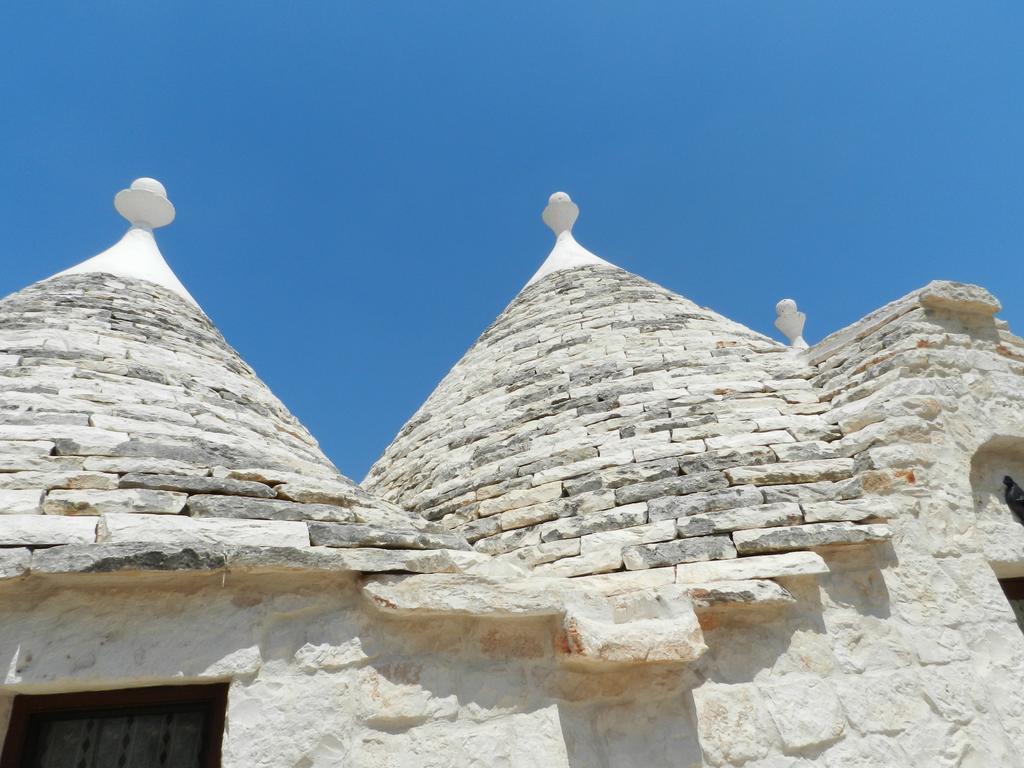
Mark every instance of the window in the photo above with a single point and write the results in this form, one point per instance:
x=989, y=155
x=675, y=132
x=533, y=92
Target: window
x=165, y=727
x=1014, y=591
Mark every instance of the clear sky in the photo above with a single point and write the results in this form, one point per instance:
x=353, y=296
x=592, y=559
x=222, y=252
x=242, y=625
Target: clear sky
x=359, y=184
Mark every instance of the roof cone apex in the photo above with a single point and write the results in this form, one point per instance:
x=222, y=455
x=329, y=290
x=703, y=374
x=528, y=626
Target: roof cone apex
x=136, y=255
x=560, y=215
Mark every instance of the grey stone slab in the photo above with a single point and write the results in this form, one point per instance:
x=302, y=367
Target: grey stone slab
x=111, y=558
x=90, y=502
x=672, y=507
x=595, y=522
x=330, y=559
x=265, y=509
x=357, y=535
x=741, y=518
x=807, y=536
x=673, y=486
x=196, y=485
x=642, y=556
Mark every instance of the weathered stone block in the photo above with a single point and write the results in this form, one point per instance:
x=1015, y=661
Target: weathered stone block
x=50, y=480
x=181, y=530
x=356, y=535
x=742, y=518
x=806, y=711
x=14, y=562
x=713, y=595
x=671, y=486
x=678, y=551
x=46, y=530
x=27, y=502
x=701, y=503
x=460, y=594
x=249, y=508
x=520, y=498
x=595, y=522
x=733, y=723
x=102, y=502
x=128, y=556
x=807, y=536
x=850, y=511
x=193, y=484
x=762, y=567
x=792, y=472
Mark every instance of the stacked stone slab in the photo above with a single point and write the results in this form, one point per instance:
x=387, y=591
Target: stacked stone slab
x=604, y=423
x=125, y=418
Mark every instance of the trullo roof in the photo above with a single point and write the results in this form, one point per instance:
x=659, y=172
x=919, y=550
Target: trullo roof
x=603, y=422
x=127, y=419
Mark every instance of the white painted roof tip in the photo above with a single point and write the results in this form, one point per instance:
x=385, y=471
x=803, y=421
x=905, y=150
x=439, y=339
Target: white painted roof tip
x=145, y=204
x=560, y=215
x=136, y=255
x=790, y=321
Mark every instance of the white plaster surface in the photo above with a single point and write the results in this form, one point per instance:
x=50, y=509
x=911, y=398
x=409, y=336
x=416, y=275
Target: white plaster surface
x=137, y=255
x=560, y=215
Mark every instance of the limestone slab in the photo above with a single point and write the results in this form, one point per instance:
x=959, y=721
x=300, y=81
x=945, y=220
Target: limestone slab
x=193, y=484
x=792, y=472
x=701, y=503
x=741, y=518
x=758, y=567
x=678, y=551
x=122, y=501
x=251, y=508
x=714, y=595
x=46, y=530
x=357, y=535
x=807, y=536
x=50, y=480
x=182, y=530
x=26, y=502
x=128, y=556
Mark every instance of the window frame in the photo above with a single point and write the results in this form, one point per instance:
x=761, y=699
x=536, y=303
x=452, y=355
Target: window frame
x=211, y=698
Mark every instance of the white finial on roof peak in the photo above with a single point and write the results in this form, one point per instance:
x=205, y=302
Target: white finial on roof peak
x=560, y=213
x=790, y=321
x=145, y=204
x=137, y=255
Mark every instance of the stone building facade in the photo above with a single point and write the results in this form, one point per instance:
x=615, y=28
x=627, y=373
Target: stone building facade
x=623, y=531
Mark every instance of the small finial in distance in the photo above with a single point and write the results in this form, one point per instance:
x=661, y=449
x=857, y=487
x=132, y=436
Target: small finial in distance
x=145, y=204
x=790, y=321
x=560, y=214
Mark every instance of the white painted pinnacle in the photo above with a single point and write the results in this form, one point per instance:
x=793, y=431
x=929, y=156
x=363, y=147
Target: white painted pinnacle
x=136, y=255
x=145, y=204
x=790, y=322
x=560, y=214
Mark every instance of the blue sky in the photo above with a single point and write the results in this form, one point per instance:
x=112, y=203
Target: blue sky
x=359, y=184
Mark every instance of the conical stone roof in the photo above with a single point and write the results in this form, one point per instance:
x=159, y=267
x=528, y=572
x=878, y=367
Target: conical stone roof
x=125, y=417
x=604, y=422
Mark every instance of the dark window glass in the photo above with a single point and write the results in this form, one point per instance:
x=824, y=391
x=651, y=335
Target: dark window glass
x=167, y=727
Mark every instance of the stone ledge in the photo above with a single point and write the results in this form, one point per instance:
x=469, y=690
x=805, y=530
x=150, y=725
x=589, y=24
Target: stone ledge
x=642, y=626
x=142, y=557
x=746, y=568
x=768, y=540
x=718, y=595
